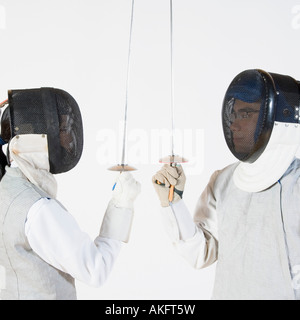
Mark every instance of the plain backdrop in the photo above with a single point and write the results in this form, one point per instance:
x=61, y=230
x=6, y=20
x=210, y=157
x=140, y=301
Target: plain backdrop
x=82, y=47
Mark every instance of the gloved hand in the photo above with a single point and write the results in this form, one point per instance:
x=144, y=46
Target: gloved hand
x=126, y=190
x=163, y=180
x=117, y=221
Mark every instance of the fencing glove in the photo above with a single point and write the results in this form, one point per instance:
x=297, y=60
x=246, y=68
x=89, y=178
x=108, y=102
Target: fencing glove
x=163, y=181
x=118, y=217
x=126, y=190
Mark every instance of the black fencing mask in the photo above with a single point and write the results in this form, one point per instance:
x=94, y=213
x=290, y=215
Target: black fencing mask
x=255, y=103
x=48, y=111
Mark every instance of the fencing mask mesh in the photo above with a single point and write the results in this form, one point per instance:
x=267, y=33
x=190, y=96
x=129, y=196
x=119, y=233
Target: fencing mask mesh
x=260, y=117
x=46, y=111
x=254, y=100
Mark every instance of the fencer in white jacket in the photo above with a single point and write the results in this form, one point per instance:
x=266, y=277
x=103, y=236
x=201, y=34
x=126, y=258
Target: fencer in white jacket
x=247, y=220
x=43, y=250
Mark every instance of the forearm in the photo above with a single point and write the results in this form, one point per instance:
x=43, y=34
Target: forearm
x=117, y=223
x=55, y=236
x=94, y=261
x=192, y=242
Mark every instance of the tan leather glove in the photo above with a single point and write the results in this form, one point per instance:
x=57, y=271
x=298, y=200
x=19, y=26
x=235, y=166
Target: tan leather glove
x=164, y=181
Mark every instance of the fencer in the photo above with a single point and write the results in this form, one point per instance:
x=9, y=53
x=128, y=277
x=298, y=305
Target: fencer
x=42, y=248
x=247, y=220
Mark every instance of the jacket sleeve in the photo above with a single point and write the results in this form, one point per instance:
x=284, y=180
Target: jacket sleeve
x=197, y=244
x=117, y=223
x=55, y=236
x=205, y=218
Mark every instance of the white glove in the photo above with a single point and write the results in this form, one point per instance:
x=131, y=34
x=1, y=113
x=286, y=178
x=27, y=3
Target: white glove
x=126, y=190
x=165, y=178
x=117, y=221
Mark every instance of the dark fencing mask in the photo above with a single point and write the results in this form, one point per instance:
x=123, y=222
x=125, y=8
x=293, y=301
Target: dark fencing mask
x=48, y=111
x=260, y=118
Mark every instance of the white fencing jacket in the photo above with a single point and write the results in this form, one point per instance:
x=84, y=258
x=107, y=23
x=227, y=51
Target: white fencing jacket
x=40, y=238
x=254, y=237
x=55, y=236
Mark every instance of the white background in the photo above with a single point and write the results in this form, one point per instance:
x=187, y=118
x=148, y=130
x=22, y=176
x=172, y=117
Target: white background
x=82, y=47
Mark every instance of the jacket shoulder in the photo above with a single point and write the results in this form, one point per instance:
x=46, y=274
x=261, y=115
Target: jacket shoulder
x=220, y=179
